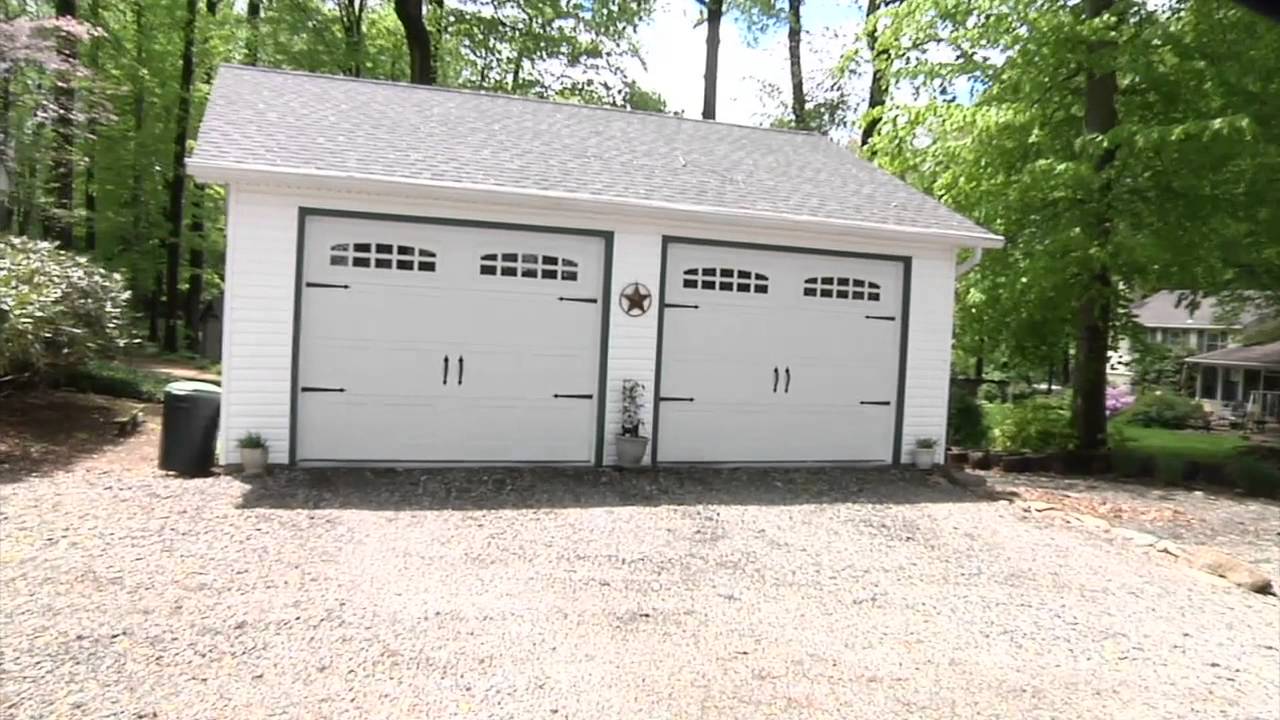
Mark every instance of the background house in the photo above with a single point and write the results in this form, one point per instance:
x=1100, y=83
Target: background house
x=1245, y=377
x=1166, y=321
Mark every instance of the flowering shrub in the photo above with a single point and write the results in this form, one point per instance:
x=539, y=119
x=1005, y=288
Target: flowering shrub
x=1118, y=400
x=58, y=310
x=632, y=404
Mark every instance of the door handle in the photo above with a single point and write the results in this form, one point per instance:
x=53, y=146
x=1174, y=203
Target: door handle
x=775, y=378
x=787, y=388
x=446, y=371
x=459, y=369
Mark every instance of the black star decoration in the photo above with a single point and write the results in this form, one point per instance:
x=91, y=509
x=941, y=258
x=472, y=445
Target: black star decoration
x=636, y=299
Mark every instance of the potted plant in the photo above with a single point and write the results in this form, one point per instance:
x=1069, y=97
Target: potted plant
x=253, y=453
x=924, y=453
x=631, y=444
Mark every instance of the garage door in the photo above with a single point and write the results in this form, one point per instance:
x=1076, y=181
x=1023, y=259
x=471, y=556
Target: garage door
x=778, y=356
x=435, y=343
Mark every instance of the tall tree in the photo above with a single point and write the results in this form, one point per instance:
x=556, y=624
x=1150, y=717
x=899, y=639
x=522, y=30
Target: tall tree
x=797, y=73
x=351, y=15
x=253, y=42
x=878, y=91
x=422, y=70
x=92, y=61
x=715, y=13
x=178, y=181
x=1094, y=314
x=62, y=171
x=196, y=232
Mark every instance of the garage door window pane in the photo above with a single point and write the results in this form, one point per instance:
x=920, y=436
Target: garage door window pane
x=532, y=266
x=821, y=286
x=382, y=256
x=725, y=280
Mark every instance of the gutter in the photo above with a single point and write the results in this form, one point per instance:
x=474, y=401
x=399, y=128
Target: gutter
x=214, y=172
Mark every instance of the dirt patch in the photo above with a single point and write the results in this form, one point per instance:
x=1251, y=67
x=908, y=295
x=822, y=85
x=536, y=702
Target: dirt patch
x=175, y=368
x=43, y=430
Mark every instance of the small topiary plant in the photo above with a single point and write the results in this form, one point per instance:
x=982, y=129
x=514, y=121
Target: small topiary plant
x=632, y=404
x=251, y=441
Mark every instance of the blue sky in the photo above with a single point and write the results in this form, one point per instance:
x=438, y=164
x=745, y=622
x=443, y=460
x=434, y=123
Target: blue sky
x=673, y=51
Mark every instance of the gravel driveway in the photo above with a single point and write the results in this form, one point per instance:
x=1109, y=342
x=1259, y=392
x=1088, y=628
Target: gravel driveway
x=574, y=594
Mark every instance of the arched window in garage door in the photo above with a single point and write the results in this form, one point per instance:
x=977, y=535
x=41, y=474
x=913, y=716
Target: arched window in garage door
x=841, y=288
x=534, y=266
x=725, y=280
x=382, y=256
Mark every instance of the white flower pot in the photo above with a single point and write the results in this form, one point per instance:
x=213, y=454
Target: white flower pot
x=254, y=460
x=923, y=457
x=631, y=450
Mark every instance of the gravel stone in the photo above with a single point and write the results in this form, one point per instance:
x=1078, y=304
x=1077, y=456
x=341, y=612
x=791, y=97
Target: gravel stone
x=543, y=592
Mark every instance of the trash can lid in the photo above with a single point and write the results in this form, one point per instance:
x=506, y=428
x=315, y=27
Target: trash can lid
x=192, y=387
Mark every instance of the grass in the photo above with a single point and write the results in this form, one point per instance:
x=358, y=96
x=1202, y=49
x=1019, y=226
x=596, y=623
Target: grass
x=1182, y=444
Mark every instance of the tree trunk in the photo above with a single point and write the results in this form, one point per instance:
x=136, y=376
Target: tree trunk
x=6, y=162
x=797, y=74
x=715, y=11
x=141, y=239
x=178, y=182
x=421, y=69
x=878, y=93
x=91, y=145
x=61, y=223
x=195, y=236
x=351, y=15
x=436, y=26
x=1095, y=311
x=253, y=14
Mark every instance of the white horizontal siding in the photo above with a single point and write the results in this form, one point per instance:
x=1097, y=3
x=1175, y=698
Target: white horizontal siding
x=258, y=332
x=929, y=350
x=633, y=341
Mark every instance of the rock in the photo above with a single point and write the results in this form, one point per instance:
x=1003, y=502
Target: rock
x=1091, y=521
x=1137, y=537
x=1171, y=548
x=1239, y=572
x=957, y=476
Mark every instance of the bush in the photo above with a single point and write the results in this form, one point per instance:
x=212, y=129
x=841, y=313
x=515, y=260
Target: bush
x=1165, y=410
x=1037, y=424
x=115, y=380
x=57, y=309
x=966, y=425
x=1255, y=477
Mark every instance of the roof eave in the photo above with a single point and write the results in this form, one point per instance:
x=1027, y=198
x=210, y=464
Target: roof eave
x=216, y=172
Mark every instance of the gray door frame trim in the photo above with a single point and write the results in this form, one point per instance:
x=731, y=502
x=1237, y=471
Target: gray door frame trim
x=606, y=290
x=904, y=314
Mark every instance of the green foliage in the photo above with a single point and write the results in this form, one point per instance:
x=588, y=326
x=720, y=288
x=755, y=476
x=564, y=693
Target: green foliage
x=251, y=440
x=1037, y=424
x=115, y=380
x=1255, y=477
x=1156, y=366
x=57, y=309
x=966, y=425
x=1165, y=410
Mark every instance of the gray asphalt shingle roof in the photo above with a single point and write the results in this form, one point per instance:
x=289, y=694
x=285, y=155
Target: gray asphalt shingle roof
x=1165, y=309
x=289, y=121
x=1267, y=355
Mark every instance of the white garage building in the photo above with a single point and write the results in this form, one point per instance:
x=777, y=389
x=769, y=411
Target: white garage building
x=425, y=275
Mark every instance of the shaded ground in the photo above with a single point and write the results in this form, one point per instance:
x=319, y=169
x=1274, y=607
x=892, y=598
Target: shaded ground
x=1246, y=527
x=46, y=429
x=175, y=367
x=519, y=593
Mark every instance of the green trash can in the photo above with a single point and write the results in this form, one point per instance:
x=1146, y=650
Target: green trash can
x=189, y=429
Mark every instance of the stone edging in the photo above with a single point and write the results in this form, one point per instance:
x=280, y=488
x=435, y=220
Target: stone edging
x=1205, y=559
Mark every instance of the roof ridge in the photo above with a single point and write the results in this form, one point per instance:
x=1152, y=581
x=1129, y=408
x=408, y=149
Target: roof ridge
x=520, y=98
